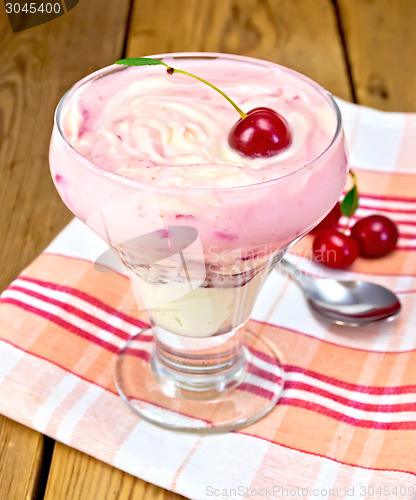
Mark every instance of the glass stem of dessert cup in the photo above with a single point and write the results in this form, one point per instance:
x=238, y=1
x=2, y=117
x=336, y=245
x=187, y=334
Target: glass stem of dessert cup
x=196, y=255
x=202, y=370
x=207, y=367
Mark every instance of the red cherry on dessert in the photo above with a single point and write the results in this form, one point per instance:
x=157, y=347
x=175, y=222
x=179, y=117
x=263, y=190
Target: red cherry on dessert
x=376, y=235
x=330, y=221
x=263, y=132
x=334, y=249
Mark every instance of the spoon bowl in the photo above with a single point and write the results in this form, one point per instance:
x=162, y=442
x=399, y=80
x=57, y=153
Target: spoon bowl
x=352, y=303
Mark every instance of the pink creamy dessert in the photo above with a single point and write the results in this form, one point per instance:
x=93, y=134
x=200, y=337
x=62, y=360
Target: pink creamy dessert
x=135, y=150
x=172, y=130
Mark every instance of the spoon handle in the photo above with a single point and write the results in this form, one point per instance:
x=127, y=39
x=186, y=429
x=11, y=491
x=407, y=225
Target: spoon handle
x=295, y=272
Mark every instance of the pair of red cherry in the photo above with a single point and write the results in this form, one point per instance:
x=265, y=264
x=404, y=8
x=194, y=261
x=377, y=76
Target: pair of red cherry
x=371, y=237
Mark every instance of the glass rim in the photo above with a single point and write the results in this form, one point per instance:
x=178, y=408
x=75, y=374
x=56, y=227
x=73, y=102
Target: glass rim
x=113, y=68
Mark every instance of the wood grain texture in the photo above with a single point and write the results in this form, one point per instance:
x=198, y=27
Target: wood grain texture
x=301, y=34
x=36, y=67
x=21, y=452
x=381, y=41
x=76, y=476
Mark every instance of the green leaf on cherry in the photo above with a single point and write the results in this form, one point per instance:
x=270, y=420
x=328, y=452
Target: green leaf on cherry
x=140, y=61
x=350, y=202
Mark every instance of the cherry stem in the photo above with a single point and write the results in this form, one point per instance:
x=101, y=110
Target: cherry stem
x=344, y=230
x=354, y=180
x=171, y=70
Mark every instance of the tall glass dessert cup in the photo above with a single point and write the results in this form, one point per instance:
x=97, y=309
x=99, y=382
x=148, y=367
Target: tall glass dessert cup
x=196, y=249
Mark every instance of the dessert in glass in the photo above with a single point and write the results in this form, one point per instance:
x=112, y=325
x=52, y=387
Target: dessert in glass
x=142, y=157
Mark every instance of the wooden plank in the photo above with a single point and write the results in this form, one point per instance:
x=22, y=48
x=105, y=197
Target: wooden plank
x=80, y=477
x=21, y=449
x=21, y=452
x=381, y=39
x=301, y=34
x=36, y=68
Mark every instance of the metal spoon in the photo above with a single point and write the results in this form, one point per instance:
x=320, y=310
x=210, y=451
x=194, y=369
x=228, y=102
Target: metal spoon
x=352, y=303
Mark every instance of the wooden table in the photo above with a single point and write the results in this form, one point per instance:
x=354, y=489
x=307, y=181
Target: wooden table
x=361, y=50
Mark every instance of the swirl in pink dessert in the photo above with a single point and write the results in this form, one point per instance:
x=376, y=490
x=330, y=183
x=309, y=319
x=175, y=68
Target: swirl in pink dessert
x=171, y=130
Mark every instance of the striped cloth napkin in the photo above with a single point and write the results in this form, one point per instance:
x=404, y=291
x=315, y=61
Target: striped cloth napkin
x=345, y=425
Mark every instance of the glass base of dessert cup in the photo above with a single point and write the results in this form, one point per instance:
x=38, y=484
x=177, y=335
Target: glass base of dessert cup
x=202, y=385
